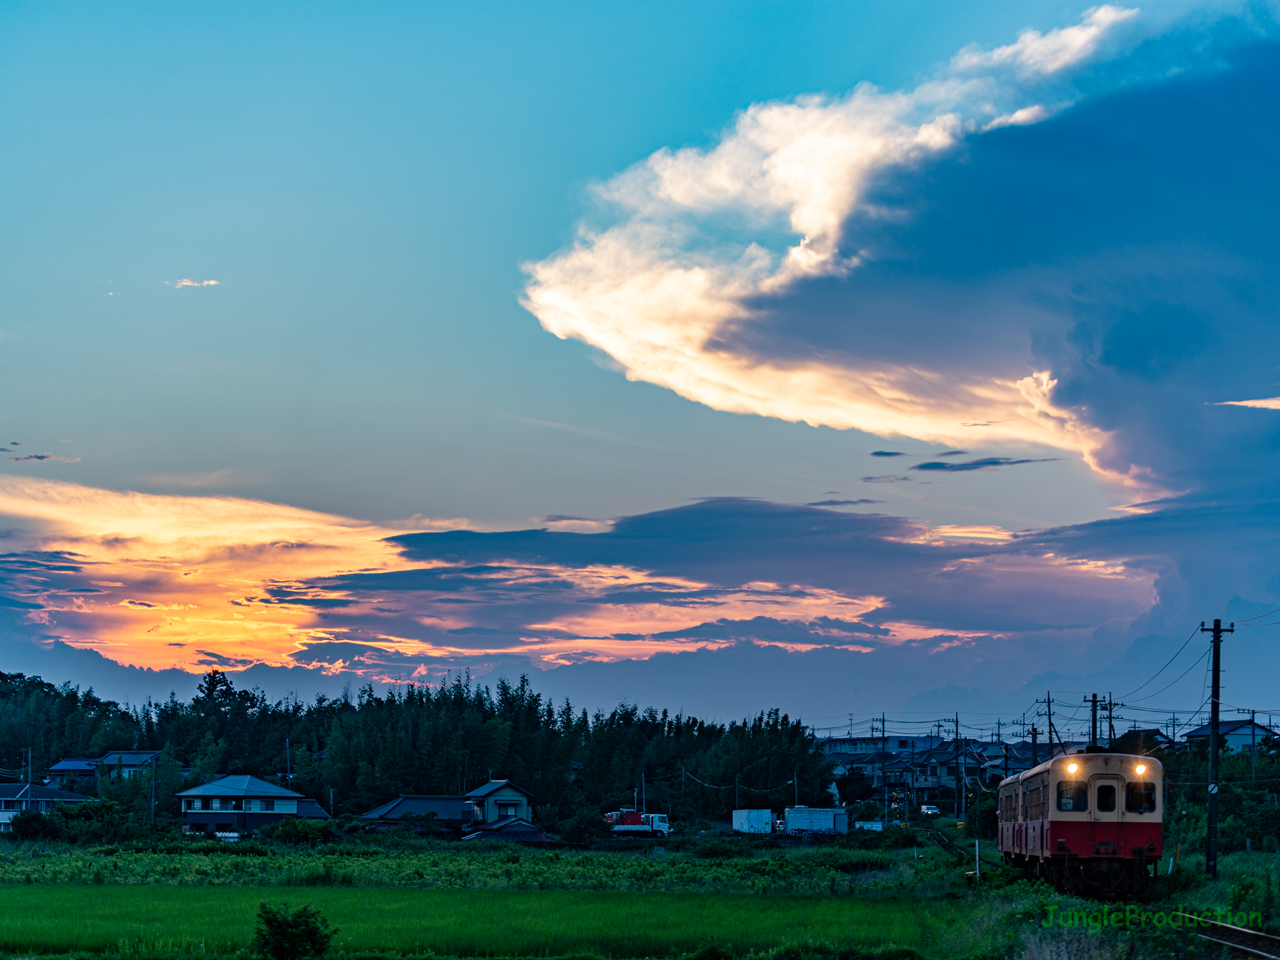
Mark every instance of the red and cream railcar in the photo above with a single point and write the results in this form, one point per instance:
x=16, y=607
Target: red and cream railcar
x=1085, y=821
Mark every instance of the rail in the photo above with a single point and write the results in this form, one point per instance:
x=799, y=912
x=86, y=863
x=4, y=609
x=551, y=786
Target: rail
x=1245, y=942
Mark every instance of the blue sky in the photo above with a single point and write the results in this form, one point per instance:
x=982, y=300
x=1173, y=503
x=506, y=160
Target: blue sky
x=511, y=268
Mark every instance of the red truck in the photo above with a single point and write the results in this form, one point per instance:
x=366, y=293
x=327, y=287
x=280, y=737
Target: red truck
x=629, y=823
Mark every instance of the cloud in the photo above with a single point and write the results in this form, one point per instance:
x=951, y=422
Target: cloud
x=1270, y=403
x=887, y=453
x=986, y=463
x=885, y=478
x=188, y=282
x=842, y=503
x=678, y=285
x=43, y=456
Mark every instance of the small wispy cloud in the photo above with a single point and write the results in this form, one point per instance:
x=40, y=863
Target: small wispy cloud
x=1269, y=403
x=188, y=282
x=884, y=479
x=44, y=456
x=986, y=463
x=841, y=503
x=887, y=453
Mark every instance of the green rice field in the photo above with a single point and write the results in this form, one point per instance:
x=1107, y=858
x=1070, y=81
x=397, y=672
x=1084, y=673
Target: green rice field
x=213, y=921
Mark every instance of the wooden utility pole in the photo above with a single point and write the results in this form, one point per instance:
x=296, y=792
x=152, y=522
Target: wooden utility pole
x=1215, y=744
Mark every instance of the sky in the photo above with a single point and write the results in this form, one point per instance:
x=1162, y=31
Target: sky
x=839, y=357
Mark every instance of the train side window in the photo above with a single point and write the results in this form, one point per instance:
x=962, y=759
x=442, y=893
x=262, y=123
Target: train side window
x=1140, y=797
x=1073, y=796
x=1106, y=798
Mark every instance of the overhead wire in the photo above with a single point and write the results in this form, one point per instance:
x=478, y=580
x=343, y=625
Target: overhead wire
x=1124, y=696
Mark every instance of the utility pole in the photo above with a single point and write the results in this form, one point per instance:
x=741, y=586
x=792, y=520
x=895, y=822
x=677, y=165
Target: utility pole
x=331, y=813
x=1111, y=718
x=1093, y=721
x=1035, y=760
x=737, y=804
x=1211, y=851
x=288, y=764
x=1253, y=744
x=956, y=744
x=884, y=773
x=1048, y=706
x=153, y=791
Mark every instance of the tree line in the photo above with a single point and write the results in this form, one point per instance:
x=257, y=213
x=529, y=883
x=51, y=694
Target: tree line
x=358, y=751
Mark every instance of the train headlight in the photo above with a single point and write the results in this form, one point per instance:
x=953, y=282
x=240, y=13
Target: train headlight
x=1140, y=769
x=1072, y=767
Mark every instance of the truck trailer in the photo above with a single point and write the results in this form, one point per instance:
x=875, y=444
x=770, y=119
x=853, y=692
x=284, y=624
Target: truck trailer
x=753, y=821
x=801, y=820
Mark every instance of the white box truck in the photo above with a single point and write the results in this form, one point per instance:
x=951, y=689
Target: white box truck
x=753, y=821
x=816, y=820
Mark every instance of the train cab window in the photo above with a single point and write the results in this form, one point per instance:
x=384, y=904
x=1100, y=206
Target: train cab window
x=1106, y=798
x=1140, y=797
x=1073, y=796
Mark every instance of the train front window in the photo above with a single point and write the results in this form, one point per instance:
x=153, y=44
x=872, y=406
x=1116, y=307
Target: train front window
x=1106, y=798
x=1140, y=797
x=1073, y=796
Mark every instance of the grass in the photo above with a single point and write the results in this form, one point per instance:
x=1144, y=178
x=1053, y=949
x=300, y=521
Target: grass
x=170, y=922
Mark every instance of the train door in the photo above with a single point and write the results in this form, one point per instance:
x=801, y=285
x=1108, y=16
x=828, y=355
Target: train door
x=1108, y=800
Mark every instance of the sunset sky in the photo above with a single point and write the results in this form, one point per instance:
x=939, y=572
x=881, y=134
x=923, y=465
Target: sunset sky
x=840, y=357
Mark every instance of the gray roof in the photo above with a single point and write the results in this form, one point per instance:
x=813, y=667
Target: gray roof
x=308, y=809
x=493, y=785
x=75, y=765
x=1228, y=726
x=510, y=828
x=34, y=791
x=129, y=758
x=238, y=786
x=419, y=805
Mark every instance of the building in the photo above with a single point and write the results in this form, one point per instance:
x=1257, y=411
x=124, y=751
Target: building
x=421, y=812
x=127, y=763
x=1235, y=734
x=242, y=804
x=17, y=797
x=500, y=800
x=510, y=829
x=73, y=770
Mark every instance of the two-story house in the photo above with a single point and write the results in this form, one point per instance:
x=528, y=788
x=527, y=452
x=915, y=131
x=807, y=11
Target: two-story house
x=16, y=797
x=241, y=804
x=500, y=800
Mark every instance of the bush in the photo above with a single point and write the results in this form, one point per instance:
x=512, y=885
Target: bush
x=295, y=831
x=585, y=826
x=33, y=825
x=284, y=934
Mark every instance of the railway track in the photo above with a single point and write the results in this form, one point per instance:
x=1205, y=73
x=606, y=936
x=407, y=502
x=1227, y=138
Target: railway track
x=941, y=839
x=1239, y=940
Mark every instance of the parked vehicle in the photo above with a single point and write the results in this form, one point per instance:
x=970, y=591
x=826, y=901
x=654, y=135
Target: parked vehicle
x=929, y=810
x=802, y=819
x=629, y=823
x=753, y=821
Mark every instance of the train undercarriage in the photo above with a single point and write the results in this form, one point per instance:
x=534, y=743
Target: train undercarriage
x=1119, y=877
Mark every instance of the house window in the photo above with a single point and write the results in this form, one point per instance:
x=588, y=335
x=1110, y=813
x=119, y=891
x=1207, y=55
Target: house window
x=237, y=804
x=188, y=804
x=933, y=769
x=508, y=810
x=904, y=744
x=268, y=804
x=206, y=803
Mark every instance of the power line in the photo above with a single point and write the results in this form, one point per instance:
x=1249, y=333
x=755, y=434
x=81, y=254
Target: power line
x=1165, y=667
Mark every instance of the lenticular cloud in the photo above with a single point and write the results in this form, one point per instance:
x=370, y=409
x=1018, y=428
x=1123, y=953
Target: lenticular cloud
x=671, y=288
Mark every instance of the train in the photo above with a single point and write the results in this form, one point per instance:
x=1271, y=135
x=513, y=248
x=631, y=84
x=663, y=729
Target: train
x=1088, y=822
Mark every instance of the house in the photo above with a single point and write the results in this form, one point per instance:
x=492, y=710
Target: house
x=16, y=797
x=127, y=763
x=242, y=804
x=510, y=829
x=73, y=770
x=1234, y=734
x=499, y=800
x=422, y=812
